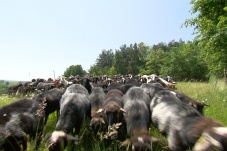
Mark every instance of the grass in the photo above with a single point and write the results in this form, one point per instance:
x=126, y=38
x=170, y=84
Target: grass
x=212, y=93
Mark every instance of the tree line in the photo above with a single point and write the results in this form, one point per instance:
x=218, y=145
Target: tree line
x=179, y=59
x=198, y=59
x=4, y=86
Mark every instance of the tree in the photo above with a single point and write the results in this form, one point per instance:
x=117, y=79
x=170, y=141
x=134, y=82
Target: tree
x=74, y=70
x=105, y=60
x=112, y=71
x=121, y=60
x=133, y=59
x=94, y=70
x=154, y=62
x=174, y=44
x=144, y=50
x=210, y=23
x=184, y=62
x=161, y=46
x=3, y=87
x=130, y=59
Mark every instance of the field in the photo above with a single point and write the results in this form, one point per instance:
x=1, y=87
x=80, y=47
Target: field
x=212, y=93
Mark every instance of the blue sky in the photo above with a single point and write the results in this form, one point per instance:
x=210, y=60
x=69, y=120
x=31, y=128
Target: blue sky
x=39, y=36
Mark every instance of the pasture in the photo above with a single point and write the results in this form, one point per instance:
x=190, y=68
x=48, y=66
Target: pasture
x=214, y=94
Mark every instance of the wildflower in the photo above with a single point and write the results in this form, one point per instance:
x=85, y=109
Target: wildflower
x=40, y=112
x=112, y=131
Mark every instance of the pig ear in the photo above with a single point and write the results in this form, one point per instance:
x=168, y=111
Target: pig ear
x=100, y=110
x=194, y=105
x=125, y=143
x=102, y=121
x=122, y=110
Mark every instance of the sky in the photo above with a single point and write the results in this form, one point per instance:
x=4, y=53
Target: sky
x=42, y=38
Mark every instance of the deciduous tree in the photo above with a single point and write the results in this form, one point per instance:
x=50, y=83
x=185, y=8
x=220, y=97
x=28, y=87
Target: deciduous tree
x=74, y=70
x=185, y=63
x=210, y=23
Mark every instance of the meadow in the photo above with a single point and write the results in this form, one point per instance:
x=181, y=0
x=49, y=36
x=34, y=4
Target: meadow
x=212, y=93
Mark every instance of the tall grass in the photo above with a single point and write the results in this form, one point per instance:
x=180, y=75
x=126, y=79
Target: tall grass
x=213, y=93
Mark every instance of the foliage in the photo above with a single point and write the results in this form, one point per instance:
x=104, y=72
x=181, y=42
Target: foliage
x=105, y=59
x=161, y=46
x=112, y=71
x=210, y=24
x=103, y=63
x=129, y=60
x=94, y=70
x=177, y=59
x=154, y=62
x=185, y=62
x=74, y=70
x=4, y=85
x=168, y=47
x=120, y=62
x=143, y=53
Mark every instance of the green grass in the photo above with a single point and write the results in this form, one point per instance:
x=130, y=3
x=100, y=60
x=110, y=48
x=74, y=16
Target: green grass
x=212, y=93
x=214, y=96
x=4, y=99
